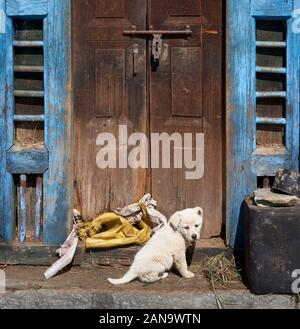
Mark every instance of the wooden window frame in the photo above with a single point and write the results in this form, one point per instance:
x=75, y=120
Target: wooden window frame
x=243, y=163
x=58, y=179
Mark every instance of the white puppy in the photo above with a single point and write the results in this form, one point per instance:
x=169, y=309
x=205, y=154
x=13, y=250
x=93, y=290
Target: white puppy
x=165, y=248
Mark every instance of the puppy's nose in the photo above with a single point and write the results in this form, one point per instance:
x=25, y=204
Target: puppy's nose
x=194, y=236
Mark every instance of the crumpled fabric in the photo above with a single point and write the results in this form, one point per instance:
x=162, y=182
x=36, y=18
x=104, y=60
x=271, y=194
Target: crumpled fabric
x=111, y=230
x=145, y=208
x=129, y=225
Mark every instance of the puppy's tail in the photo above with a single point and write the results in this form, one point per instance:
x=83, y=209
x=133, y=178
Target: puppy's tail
x=129, y=276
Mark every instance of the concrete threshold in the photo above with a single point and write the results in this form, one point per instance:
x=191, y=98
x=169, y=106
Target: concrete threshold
x=87, y=288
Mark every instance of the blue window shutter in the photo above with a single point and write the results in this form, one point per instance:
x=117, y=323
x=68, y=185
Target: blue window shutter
x=245, y=163
x=54, y=160
x=7, y=215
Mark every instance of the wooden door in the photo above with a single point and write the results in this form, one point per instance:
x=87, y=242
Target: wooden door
x=107, y=94
x=182, y=94
x=185, y=97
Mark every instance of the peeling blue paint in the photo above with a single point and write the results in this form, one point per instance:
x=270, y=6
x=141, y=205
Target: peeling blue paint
x=2, y=21
x=58, y=183
x=57, y=187
x=244, y=162
x=17, y=8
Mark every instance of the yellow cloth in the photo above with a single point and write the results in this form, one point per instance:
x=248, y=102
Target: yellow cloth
x=111, y=230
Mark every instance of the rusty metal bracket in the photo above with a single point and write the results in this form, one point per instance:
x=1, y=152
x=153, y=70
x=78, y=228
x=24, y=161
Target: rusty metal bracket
x=157, y=37
x=207, y=31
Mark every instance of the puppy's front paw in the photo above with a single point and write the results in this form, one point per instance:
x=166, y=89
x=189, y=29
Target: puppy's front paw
x=189, y=275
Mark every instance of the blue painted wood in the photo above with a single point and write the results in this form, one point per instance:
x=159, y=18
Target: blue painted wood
x=271, y=121
x=27, y=7
x=28, y=93
x=27, y=160
x=293, y=92
x=266, y=165
x=58, y=197
x=2, y=21
x=38, y=208
x=58, y=180
x=34, y=44
x=268, y=69
x=27, y=68
x=2, y=122
x=241, y=62
x=245, y=162
x=271, y=44
x=7, y=210
x=29, y=118
x=272, y=94
x=22, y=208
x=271, y=8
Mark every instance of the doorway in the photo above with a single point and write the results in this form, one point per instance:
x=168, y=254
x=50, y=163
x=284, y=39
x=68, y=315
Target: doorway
x=153, y=67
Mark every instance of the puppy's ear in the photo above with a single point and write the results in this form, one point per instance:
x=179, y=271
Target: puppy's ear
x=175, y=220
x=199, y=211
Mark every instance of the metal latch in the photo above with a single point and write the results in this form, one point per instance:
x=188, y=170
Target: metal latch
x=157, y=37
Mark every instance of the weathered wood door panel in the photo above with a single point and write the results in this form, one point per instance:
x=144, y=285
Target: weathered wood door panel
x=181, y=94
x=185, y=97
x=107, y=94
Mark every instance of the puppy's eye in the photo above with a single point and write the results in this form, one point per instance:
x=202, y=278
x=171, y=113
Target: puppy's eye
x=199, y=212
x=197, y=225
x=186, y=227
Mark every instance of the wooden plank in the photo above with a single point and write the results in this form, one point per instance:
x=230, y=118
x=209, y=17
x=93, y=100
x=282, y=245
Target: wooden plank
x=274, y=8
x=7, y=210
x=270, y=121
x=240, y=123
x=34, y=44
x=293, y=93
x=28, y=68
x=38, y=208
x=28, y=93
x=271, y=44
x=37, y=254
x=22, y=220
x=2, y=21
x=272, y=94
x=26, y=7
x=187, y=81
x=34, y=160
x=110, y=82
x=266, y=69
x=3, y=177
x=29, y=118
x=267, y=165
x=183, y=8
x=30, y=206
x=58, y=180
x=111, y=9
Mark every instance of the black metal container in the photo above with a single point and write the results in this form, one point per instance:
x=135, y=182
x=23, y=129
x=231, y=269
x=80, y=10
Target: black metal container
x=272, y=247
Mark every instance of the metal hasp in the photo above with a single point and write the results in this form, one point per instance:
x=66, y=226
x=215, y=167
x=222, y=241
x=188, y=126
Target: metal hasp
x=157, y=37
x=156, y=46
